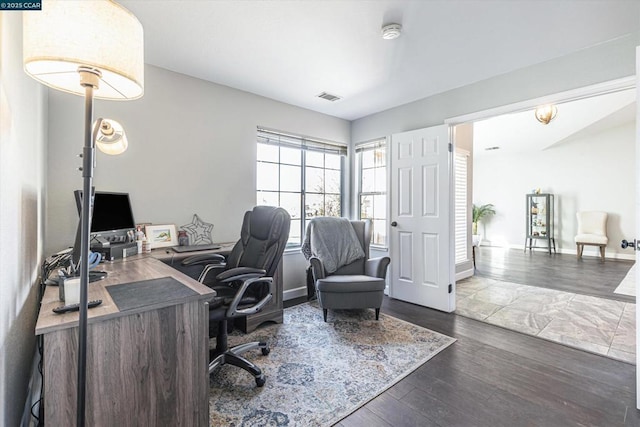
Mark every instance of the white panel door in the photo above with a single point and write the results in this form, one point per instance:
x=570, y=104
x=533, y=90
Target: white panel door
x=421, y=248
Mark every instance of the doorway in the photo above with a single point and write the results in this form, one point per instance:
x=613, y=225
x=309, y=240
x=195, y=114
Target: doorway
x=579, y=162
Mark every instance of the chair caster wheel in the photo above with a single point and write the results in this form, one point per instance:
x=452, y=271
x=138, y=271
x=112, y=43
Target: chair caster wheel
x=266, y=351
x=260, y=380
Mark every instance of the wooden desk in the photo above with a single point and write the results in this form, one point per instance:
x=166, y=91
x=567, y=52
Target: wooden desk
x=145, y=366
x=272, y=312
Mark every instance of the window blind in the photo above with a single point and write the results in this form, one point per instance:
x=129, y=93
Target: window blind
x=272, y=137
x=371, y=145
x=460, y=170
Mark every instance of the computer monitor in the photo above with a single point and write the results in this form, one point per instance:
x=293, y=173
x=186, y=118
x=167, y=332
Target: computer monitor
x=112, y=215
x=111, y=211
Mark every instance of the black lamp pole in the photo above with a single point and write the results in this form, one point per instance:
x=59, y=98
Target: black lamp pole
x=89, y=78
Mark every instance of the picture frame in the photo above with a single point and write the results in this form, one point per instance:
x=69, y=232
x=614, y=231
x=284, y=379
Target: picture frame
x=161, y=236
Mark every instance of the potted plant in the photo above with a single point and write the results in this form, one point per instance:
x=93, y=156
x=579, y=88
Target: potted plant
x=480, y=212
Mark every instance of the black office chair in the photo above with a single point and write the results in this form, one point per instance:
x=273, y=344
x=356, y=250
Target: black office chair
x=244, y=282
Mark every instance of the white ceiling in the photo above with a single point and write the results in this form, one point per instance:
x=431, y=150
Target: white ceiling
x=521, y=132
x=293, y=50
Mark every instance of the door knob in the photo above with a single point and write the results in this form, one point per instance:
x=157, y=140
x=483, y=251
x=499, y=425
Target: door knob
x=394, y=224
x=626, y=244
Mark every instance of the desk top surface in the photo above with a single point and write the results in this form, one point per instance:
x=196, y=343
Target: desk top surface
x=131, y=269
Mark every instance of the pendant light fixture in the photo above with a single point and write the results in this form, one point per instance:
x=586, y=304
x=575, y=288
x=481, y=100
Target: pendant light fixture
x=546, y=113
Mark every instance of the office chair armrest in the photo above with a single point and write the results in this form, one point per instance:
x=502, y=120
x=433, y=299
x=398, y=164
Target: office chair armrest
x=203, y=259
x=240, y=273
x=233, y=311
x=208, y=268
x=317, y=268
x=377, y=267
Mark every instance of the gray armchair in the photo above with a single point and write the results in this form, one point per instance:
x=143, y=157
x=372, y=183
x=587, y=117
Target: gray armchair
x=357, y=285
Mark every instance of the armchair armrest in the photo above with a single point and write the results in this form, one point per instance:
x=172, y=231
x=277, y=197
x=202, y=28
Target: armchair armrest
x=377, y=267
x=317, y=268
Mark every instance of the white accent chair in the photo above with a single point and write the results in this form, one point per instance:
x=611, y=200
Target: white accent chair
x=592, y=231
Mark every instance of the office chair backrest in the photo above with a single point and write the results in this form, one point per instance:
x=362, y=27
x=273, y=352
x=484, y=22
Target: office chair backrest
x=264, y=235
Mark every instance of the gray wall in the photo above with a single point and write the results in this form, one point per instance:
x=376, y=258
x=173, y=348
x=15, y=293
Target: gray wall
x=581, y=172
x=22, y=213
x=192, y=149
x=601, y=63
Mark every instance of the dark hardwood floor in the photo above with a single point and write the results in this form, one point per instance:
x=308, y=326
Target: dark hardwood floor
x=496, y=377
x=564, y=272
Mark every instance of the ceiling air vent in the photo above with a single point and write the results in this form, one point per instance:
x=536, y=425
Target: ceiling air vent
x=328, y=96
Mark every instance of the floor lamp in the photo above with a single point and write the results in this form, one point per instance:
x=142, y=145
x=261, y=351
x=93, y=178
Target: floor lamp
x=93, y=49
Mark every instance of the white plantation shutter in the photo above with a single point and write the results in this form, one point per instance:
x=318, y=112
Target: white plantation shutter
x=461, y=159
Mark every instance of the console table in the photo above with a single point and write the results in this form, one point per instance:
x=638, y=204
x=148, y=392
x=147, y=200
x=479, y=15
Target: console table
x=146, y=363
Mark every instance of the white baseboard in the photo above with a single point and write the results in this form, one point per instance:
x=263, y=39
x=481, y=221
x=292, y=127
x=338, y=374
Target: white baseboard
x=464, y=274
x=608, y=254
x=294, y=293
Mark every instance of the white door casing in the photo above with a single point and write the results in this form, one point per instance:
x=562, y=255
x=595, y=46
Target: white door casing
x=637, y=224
x=421, y=247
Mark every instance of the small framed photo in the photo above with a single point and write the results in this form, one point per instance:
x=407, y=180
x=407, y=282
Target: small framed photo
x=160, y=236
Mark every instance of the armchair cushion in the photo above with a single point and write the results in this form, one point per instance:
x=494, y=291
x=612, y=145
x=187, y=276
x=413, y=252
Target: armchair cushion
x=348, y=284
x=591, y=239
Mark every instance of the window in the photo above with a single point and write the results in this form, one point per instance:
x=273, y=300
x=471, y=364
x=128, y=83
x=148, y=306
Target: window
x=302, y=175
x=461, y=159
x=372, y=187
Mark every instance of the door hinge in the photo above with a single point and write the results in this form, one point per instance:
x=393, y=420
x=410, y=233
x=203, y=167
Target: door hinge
x=450, y=288
x=450, y=147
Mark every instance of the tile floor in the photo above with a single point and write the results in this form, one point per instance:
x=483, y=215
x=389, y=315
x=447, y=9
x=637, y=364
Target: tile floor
x=628, y=284
x=589, y=323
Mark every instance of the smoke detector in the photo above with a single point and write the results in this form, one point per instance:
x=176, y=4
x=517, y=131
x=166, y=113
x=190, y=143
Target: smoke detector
x=391, y=31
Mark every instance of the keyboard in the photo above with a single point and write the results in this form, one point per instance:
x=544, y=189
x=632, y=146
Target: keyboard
x=194, y=248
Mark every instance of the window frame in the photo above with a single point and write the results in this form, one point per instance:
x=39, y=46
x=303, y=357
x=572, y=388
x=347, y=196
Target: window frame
x=305, y=145
x=359, y=149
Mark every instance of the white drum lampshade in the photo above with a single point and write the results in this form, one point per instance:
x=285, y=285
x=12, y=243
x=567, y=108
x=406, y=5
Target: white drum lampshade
x=98, y=34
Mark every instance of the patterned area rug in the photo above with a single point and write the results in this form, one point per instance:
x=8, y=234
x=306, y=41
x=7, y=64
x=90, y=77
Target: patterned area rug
x=318, y=373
